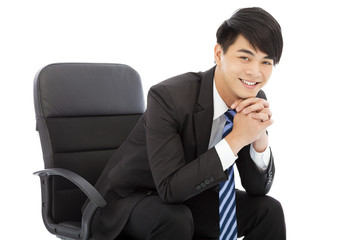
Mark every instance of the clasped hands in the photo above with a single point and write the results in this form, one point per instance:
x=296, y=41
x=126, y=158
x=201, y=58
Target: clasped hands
x=252, y=119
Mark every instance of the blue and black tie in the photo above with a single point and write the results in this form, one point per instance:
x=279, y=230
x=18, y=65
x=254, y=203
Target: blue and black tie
x=227, y=206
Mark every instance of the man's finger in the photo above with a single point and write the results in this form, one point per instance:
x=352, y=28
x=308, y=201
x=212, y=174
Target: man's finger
x=257, y=107
x=251, y=101
x=236, y=103
x=245, y=103
x=266, y=124
x=267, y=111
x=261, y=116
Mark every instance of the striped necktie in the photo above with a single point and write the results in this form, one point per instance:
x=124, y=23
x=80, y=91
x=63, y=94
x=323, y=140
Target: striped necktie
x=227, y=206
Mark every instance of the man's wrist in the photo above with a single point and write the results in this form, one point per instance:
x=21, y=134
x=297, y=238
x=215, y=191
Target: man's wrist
x=261, y=143
x=235, y=143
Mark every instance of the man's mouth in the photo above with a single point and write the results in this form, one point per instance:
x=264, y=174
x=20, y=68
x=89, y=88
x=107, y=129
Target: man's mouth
x=248, y=82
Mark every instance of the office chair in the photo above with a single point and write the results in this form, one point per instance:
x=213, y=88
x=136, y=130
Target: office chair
x=84, y=111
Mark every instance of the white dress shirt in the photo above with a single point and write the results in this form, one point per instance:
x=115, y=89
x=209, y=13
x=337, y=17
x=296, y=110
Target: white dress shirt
x=223, y=149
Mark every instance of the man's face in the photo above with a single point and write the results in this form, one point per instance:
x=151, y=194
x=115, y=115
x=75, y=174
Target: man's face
x=242, y=71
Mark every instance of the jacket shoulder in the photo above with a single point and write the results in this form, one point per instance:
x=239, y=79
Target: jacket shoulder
x=261, y=94
x=183, y=87
x=189, y=78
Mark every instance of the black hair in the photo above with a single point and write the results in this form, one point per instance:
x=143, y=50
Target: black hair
x=257, y=26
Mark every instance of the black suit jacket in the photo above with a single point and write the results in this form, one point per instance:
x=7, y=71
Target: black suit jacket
x=167, y=154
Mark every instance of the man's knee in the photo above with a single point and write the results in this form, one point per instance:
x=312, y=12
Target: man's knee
x=260, y=216
x=272, y=205
x=269, y=207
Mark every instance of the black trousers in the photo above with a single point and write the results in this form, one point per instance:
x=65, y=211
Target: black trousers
x=258, y=218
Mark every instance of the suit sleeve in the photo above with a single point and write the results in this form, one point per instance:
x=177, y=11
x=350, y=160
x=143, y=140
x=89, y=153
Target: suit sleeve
x=176, y=181
x=255, y=181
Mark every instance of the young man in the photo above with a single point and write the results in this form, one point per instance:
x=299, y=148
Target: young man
x=173, y=177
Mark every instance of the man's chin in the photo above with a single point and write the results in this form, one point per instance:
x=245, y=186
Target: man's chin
x=248, y=95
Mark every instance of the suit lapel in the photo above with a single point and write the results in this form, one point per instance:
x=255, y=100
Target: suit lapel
x=203, y=118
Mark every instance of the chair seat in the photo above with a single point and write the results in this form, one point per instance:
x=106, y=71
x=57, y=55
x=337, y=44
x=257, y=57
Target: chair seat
x=72, y=225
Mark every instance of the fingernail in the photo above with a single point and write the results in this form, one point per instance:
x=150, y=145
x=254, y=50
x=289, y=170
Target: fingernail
x=233, y=106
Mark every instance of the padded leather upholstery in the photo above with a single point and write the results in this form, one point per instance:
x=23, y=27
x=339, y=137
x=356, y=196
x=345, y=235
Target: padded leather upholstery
x=84, y=111
x=86, y=89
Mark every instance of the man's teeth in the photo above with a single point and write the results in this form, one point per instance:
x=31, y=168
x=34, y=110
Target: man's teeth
x=248, y=83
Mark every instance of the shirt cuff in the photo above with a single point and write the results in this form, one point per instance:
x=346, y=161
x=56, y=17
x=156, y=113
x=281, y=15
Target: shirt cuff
x=227, y=157
x=261, y=159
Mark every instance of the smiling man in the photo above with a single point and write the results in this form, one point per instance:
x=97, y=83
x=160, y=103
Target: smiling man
x=173, y=178
x=242, y=70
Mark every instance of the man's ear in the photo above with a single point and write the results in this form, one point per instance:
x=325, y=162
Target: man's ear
x=218, y=52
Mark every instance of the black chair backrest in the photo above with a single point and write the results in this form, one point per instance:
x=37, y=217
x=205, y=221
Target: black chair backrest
x=84, y=111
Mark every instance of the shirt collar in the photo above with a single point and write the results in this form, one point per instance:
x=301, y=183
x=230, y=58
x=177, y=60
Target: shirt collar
x=219, y=105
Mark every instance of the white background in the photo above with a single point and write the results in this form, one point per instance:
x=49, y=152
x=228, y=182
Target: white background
x=313, y=93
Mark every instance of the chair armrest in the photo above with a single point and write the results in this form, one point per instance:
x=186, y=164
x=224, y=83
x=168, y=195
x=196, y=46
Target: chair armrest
x=96, y=200
x=79, y=181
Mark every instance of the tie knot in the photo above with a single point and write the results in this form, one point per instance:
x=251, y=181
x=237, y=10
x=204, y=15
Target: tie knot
x=229, y=114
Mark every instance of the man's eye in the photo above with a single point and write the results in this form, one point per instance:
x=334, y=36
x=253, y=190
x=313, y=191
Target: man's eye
x=267, y=63
x=245, y=58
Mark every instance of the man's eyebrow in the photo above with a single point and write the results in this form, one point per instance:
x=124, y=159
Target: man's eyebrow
x=246, y=51
x=252, y=54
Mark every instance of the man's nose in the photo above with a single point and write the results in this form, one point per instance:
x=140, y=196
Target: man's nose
x=253, y=71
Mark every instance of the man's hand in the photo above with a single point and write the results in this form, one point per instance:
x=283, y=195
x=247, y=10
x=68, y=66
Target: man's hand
x=258, y=106
x=249, y=125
